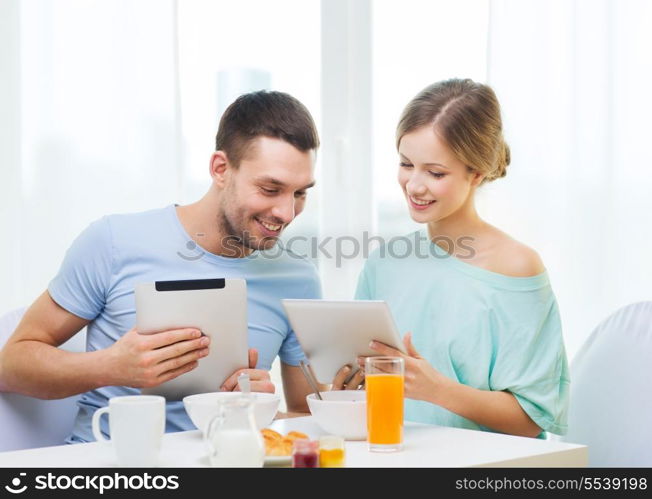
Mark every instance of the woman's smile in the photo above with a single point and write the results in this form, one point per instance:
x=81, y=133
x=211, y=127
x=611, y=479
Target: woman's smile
x=420, y=204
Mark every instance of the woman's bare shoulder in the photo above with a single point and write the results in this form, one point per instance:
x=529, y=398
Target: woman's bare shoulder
x=511, y=257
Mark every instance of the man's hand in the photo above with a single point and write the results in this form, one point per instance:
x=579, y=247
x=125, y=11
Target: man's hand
x=147, y=360
x=259, y=378
x=355, y=383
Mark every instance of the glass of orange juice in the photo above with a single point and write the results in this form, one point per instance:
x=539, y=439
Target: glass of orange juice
x=384, y=378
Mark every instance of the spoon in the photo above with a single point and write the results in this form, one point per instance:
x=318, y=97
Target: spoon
x=311, y=380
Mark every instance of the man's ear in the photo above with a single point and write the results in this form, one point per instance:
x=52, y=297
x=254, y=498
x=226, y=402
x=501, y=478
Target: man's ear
x=219, y=165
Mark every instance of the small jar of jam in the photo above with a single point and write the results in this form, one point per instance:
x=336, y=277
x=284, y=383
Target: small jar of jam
x=331, y=452
x=305, y=454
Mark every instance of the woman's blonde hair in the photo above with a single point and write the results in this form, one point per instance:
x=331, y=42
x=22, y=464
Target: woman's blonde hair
x=466, y=115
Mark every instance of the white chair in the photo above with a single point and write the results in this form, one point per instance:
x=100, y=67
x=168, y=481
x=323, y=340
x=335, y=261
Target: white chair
x=611, y=390
x=29, y=422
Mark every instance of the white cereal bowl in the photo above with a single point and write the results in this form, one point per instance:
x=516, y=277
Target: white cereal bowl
x=342, y=412
x=203, y=407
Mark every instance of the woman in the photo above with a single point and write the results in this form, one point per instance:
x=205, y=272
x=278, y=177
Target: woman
x=486, y=349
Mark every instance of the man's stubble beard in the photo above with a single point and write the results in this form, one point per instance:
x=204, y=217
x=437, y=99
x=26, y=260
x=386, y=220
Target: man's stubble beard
x=237, y=233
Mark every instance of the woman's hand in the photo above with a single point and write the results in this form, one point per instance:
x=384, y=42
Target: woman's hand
x=422, y=381
x=498, y=410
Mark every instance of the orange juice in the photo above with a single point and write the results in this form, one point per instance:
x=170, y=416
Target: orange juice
x=384, y=408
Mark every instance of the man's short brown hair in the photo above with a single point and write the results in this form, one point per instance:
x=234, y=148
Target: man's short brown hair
x=265, y=114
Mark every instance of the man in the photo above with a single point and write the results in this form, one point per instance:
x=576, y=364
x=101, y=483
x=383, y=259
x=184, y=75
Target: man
x=260, y=174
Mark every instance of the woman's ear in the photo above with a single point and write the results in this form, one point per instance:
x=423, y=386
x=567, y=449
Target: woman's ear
x=219, y=165
x=477, y=179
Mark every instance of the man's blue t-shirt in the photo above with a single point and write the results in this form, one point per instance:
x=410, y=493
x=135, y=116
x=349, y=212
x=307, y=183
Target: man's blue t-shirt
x=97, y=278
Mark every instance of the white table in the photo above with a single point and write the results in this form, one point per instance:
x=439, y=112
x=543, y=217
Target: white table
x=425, y=446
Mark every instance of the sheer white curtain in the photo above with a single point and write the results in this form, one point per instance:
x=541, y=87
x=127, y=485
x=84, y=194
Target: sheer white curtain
x=574, y=80
x=90, y=120
x=90, y=125
x=110, y=106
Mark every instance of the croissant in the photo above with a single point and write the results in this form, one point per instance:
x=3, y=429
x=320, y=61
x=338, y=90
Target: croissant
x=278, y=445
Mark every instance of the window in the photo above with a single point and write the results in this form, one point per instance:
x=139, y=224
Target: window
x=416, y=43
x=228, y=48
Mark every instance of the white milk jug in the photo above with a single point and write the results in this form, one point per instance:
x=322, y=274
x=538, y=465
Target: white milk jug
x=233, y=438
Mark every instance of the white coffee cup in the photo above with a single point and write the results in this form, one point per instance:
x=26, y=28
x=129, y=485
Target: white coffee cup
x=137, y=424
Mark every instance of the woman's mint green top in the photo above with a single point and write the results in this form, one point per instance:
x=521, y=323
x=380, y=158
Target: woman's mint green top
x=480, y=328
